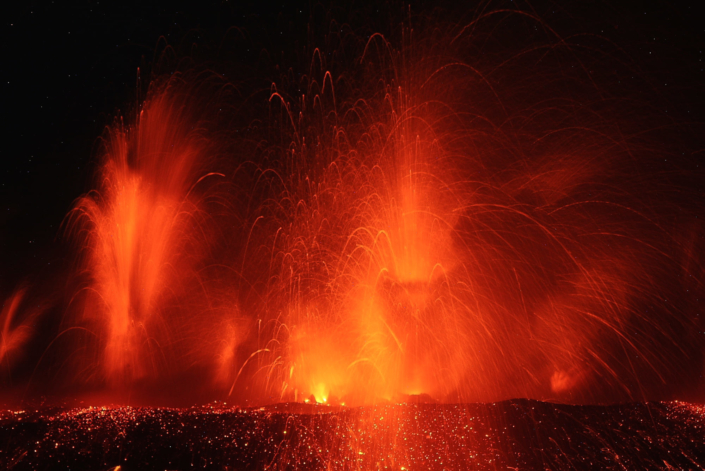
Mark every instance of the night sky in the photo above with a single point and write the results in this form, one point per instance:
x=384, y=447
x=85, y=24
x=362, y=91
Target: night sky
x=70, y=67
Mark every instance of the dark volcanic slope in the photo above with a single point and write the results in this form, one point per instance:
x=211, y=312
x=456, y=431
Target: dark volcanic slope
x=507, y=435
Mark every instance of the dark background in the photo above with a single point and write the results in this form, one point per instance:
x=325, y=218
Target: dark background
x=69, y=68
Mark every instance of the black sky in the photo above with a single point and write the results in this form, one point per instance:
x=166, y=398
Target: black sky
x=69, y=67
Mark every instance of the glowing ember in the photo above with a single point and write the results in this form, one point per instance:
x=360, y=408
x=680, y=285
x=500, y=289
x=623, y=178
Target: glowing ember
x=505, y=435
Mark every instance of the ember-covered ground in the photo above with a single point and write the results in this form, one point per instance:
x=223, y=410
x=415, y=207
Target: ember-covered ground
x=517, y=434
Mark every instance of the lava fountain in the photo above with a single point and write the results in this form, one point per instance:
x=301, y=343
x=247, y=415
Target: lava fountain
x=429, y=228
x=407, y=217
x=145, y=233
x=392, y=222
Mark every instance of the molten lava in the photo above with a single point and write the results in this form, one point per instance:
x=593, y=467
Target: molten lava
x=145, y=233
x=411, y=221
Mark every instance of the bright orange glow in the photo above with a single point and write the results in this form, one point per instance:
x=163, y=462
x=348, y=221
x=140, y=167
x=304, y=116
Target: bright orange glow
x=388, y=325
x=144, y=236
x=417, y=249
x=421, y=233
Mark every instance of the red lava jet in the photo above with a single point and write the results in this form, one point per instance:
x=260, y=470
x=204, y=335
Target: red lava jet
x=406, y=232
x=14, y=334
x=145, y=233
x=426, y=230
